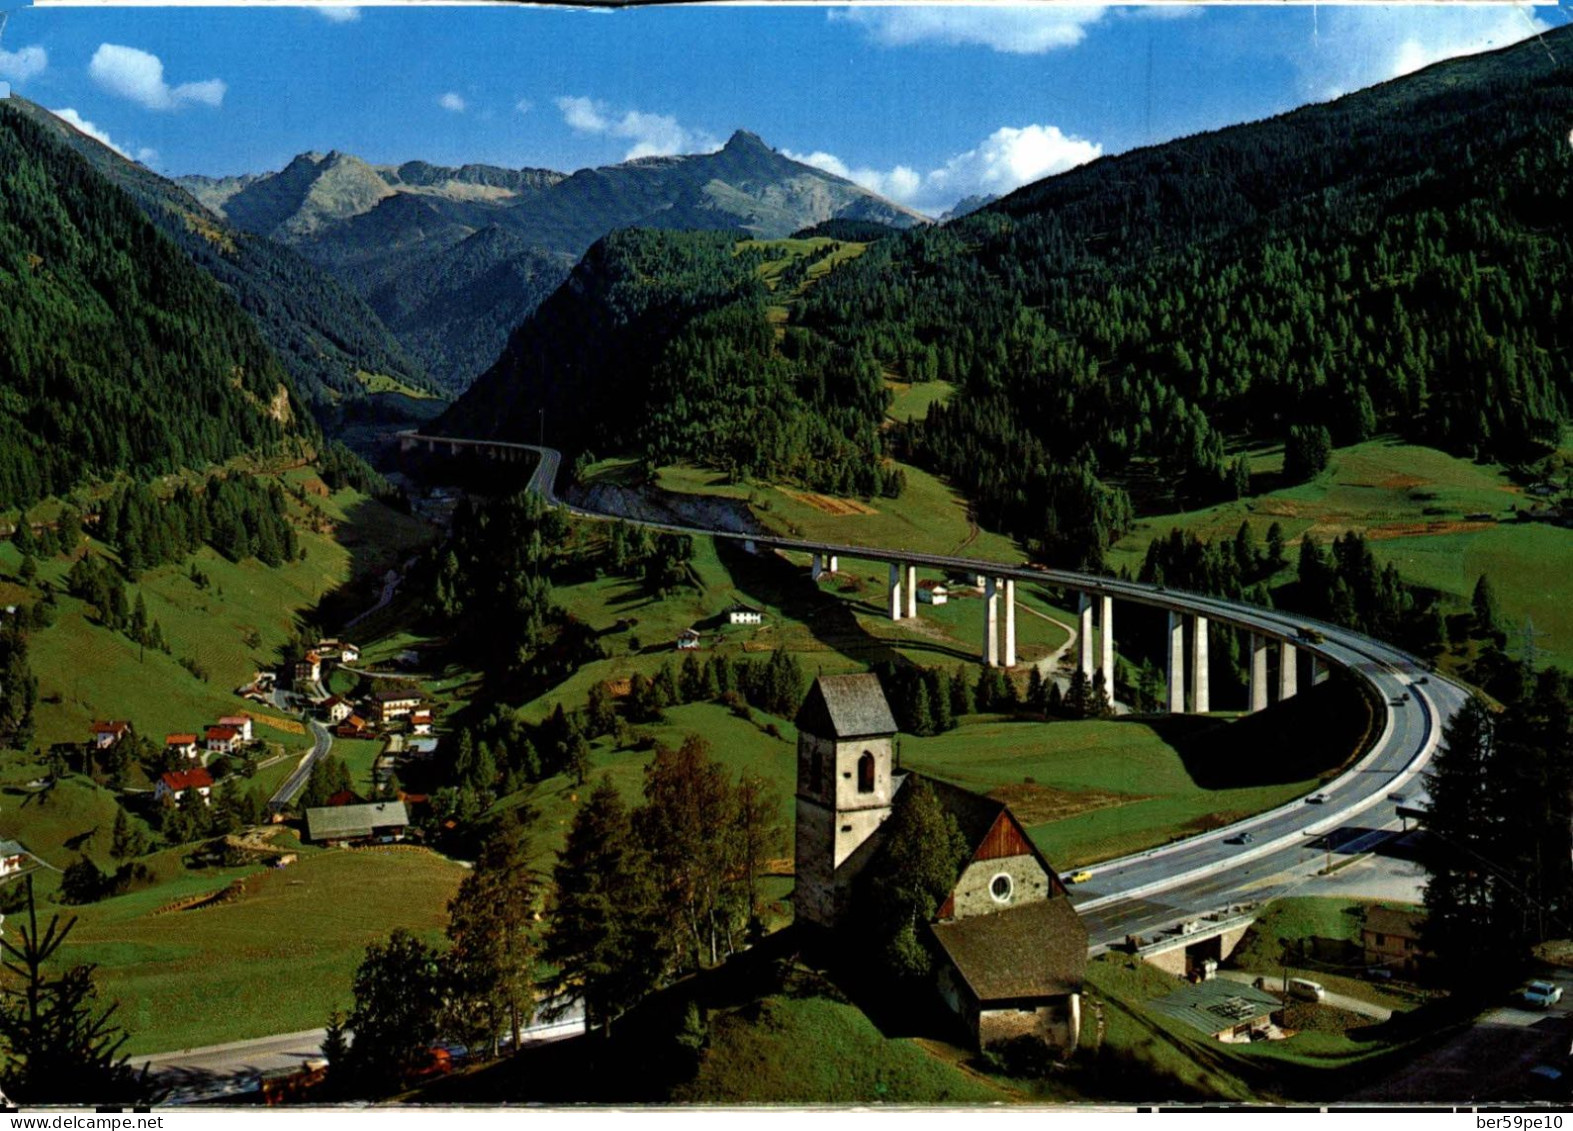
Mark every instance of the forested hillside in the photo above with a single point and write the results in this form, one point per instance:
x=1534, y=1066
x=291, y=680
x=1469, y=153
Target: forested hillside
x=116, y=353
x=1393, y=261
x=661, y=343
x=1396, y=260
x=319, y=328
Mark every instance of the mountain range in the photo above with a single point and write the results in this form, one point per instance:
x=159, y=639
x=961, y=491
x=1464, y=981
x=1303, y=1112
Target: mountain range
x=451, y=259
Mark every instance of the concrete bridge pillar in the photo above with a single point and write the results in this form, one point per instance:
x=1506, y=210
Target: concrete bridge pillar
x=1288, y=673
x=991, y=638
x=1010, y=623
x=1084, y=634
x=1258, y=645
x=1106, y=643
x=817, y=570
x=1176, y=672
x=750, y=547
x=1318, y=670
x=911, y=592
x=1200, y=697
x=835, y=566
x=895, y=591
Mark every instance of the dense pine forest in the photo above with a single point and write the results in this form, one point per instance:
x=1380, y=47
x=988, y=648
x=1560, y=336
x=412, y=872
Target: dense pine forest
x=1393, y=261
x=660, y=343
x=116, y=354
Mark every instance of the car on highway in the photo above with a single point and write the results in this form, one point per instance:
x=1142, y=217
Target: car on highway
x=1079, y=878
x=1540, y=994
x=1309, y=635
x=1240, y=838
x=1316, y=799
x=1398, y=797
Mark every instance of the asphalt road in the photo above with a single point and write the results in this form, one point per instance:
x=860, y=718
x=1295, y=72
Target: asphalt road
x=322, y=743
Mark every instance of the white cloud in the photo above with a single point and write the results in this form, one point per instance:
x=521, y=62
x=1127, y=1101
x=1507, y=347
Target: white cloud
x=650, y=135
x=71, y=118
x=337, y=14
x=1015, y=31
x=453, y=101
x=147, y=155
x=524, y=106
x=23, y=63
x=139, y=76
x=1007, y=159
x=1356, y=47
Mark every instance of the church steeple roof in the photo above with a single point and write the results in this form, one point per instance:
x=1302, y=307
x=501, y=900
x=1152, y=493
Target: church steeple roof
x=846, y=706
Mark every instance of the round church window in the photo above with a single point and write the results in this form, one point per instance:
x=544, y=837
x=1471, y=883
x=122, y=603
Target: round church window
x=1000, y=888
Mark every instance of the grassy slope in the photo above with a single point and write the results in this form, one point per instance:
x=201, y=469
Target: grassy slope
x=1148, y=796
x=1383, y=489
x=276, y=960
x=816, y=1051
x=912, y=402
x=929, y=516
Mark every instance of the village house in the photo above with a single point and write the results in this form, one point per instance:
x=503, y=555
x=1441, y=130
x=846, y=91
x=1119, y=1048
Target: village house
x=421, y=720
x=744, y=614
x=932, y=592
x=182, y=746
x=13, y=857
x=1010, y=950
x=352, y=727
x=688, y=639
x=354, y=824
x=340, y=650
x=107, y=734
x=336, y=708
x=1391, y=939
x=241, y=725
x=390, y=705
x=177, y=784
x=222, y=739
x=308, y=670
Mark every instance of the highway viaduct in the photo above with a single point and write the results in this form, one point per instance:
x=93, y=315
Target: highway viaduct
x=1276, y=643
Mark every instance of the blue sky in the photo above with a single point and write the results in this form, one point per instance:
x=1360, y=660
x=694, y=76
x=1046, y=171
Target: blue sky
x=926, y=104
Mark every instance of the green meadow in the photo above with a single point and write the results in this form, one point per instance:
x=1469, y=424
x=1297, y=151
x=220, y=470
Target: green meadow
x=1414, y=505
x=1089, y=791
x=276, y=959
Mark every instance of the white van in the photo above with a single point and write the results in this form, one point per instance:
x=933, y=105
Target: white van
x=1306, y=990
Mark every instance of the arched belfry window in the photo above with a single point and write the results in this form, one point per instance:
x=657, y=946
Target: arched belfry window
x=866, y=772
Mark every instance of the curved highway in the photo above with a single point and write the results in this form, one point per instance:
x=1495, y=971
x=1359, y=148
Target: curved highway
x=1201, y=872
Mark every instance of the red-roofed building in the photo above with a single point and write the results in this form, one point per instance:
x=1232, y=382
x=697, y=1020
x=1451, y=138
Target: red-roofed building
x=185, y=745
x=241, y=723
x=107, y=734
x=222, y=740
x=352, y=727
x=336, y=708
x=420, y=721
x=178, y=784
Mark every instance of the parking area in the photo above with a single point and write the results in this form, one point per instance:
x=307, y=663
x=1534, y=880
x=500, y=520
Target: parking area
x=1494, y=1060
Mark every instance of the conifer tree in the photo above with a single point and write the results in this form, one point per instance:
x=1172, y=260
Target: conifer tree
x=603, y=936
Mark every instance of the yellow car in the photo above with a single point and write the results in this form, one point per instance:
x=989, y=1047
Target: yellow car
x=1080, y=877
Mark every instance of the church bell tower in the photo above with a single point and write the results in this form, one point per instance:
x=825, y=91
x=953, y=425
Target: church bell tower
x=845, y=747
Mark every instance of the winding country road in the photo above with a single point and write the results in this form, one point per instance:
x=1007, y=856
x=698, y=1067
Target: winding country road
x=1163, y=885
